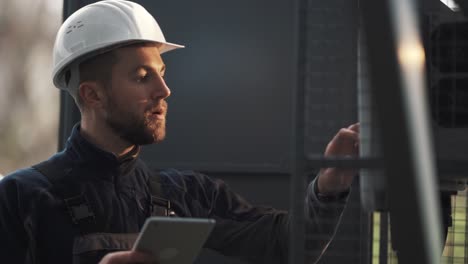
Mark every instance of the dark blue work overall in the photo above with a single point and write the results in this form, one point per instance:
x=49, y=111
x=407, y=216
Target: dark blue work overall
x=92, y=203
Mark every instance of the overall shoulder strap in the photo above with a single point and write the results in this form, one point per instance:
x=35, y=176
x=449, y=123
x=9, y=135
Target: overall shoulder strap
x=77, y=205
x=53, y=171
x=154, y=181
x=159, y=205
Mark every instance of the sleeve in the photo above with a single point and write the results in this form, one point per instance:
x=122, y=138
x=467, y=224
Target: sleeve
x=323, y=215
x=257, y=234
x=13, y=238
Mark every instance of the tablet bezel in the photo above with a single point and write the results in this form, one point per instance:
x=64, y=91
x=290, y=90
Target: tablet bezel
x=174, y=240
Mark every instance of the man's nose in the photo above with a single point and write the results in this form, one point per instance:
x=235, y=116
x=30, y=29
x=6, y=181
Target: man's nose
x=160, y=89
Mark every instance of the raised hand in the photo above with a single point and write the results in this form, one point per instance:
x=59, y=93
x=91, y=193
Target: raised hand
x=344, y=144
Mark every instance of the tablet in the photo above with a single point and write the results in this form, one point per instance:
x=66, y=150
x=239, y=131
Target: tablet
x=174, y=240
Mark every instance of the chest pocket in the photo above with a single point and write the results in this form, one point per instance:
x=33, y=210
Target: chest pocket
x=91, y=248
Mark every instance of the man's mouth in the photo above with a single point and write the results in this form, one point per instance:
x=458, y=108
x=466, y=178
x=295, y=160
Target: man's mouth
x=159, y=113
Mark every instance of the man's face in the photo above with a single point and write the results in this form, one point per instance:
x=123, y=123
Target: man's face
x=135, y=108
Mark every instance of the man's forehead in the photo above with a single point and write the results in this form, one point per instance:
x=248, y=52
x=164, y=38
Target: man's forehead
x=139, y=55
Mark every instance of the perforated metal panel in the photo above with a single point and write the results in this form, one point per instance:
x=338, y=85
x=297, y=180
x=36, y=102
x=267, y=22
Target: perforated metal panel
x=331, y=103
x=331, y=65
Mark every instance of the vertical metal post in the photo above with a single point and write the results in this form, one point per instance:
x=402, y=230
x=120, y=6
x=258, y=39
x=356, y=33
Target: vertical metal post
x=396, y=65
x=383, y=243
x=366, y=235
x=69, y=113
x=298, y=164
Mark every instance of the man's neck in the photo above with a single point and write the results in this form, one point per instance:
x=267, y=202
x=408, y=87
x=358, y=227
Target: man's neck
x=104, y=138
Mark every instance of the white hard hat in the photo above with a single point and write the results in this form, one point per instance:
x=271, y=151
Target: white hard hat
x=102, y=25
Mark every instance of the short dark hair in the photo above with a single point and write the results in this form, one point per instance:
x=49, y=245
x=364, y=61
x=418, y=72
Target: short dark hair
x=98, y=69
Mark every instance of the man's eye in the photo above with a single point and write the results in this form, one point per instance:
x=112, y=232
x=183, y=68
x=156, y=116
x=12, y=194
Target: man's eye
x=142, y=78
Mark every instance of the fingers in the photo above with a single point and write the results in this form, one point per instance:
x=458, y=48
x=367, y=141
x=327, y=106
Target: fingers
x=348, y=134
x=345, y=142
x=355, y=127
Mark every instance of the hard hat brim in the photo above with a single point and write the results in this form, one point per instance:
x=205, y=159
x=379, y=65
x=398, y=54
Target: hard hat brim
x=168, y=46
x=84, y=54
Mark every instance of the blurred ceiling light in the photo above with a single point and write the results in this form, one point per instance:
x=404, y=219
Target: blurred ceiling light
x=411, y=54
x=451, y=4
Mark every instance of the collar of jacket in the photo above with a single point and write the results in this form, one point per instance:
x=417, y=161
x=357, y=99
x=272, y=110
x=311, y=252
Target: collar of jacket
x=85, y=154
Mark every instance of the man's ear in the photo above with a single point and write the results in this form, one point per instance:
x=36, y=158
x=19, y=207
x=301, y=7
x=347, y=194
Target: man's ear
x=92, y=94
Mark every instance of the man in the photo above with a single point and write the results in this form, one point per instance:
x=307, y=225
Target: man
x=92, y=198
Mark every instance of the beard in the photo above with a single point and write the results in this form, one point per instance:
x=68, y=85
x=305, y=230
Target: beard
x=135, y=128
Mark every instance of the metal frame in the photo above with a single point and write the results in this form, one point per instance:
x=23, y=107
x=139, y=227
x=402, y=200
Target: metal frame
x=413, y=202
x=69, y=113
x=383, y=243
x=366, y=231
x=298, y=163
x=341, y=28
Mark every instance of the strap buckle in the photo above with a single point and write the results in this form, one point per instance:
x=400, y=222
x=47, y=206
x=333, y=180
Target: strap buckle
x=79, y=210
x=161, y=206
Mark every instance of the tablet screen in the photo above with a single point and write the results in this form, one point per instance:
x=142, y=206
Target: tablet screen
x=174, y=240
